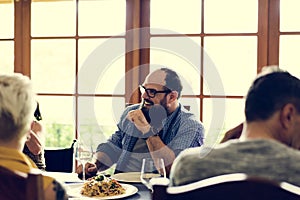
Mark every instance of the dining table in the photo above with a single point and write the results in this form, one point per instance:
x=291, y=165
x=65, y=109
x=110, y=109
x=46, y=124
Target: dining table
x=67, y=179
x=143, y=192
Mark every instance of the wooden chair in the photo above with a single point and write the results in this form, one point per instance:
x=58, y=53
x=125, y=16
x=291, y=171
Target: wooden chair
x=231, y=186
x=59, y=160
x=17, y=185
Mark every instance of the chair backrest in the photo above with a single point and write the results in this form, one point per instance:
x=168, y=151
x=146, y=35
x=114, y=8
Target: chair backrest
x=17, y=185
x=231, y=186
x=59, y=160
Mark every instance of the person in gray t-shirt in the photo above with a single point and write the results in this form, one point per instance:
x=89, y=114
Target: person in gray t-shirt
x=269, y=142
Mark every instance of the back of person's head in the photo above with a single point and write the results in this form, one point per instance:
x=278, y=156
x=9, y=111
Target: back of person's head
x=173, y=81
x=271, y=90
x=16, y=106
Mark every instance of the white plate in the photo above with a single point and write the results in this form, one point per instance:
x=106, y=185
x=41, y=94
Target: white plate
x=73, y=190
x=129, y=177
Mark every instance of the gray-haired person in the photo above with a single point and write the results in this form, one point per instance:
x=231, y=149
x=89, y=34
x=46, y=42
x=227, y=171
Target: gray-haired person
x=17, y=104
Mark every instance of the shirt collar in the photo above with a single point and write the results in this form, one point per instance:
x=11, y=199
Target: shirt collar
x=167, y=121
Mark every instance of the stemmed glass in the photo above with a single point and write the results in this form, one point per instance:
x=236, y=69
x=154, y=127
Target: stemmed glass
x=83, y=154
x=152, y=169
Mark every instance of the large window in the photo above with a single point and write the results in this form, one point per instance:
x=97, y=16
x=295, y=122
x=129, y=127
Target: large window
x=86, y=58
x=289, y=36
x=7, y=37
x=207, y=45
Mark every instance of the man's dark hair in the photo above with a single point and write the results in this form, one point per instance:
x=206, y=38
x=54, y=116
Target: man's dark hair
x=269, y=93
x=173, y=81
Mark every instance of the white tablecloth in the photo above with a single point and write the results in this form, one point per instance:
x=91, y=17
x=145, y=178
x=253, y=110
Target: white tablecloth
x=63, y=177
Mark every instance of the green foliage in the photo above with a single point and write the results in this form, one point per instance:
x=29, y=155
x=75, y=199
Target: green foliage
x=62, y=135
x=59, y=135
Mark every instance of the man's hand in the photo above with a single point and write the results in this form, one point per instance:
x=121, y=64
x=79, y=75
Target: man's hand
x=137, y=117
x=90, y=170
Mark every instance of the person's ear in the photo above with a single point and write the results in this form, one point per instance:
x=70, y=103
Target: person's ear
x=173, y=96
x=287, y=115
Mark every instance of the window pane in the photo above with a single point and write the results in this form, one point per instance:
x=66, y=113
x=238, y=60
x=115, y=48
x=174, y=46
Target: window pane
x=6, y=57
x=105, y=17
x=102, y=66
x=112, y=81
x=53, y=18
x=53, y=65
x=231, y=54
x=230, y=16
x=181, y=54
x=176, y=15
x=98, y=117
x=220, y=115
x=7, y=20
x=289, y=54
x=191, y=104
x=58, y=120
x=289, y=15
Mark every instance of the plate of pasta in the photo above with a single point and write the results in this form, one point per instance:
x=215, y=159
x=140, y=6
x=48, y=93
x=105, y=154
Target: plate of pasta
x=100, y=187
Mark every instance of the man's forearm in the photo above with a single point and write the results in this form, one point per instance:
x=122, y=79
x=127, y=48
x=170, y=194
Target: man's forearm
x=159, y=150
x=103, y=161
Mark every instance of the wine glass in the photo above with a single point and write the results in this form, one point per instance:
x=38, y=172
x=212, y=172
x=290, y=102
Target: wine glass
x=152, y=169
x=83, y=154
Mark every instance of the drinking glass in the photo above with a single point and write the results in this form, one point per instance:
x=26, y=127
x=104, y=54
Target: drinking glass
x=83, y=154
x=152, y=169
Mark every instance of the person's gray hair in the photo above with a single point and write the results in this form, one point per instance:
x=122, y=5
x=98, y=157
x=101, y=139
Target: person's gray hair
x=17, y=101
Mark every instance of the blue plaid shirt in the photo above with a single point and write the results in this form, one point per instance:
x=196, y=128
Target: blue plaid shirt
x=184, y=132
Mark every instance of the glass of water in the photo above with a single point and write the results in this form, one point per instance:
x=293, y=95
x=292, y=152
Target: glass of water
x=83, y=154
x=152, y=168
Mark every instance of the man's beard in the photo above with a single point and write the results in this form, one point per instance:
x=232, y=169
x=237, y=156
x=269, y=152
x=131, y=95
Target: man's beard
x=163, y=103
x=156, y=110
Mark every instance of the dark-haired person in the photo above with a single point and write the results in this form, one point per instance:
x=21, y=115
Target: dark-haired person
x=171, y=129
x=269, y=143
x=34, y=146
x=16, y=108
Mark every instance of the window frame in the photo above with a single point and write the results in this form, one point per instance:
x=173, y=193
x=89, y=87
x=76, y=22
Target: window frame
x=137, y=17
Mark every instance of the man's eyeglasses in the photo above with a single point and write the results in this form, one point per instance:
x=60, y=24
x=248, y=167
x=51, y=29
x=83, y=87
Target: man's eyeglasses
x=152, y=92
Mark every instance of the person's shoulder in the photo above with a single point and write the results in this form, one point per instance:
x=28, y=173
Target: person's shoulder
x=187, y=155
x=263, y=143
x=228, y=144
x=47, y=180
x=190, y=119
x=279, y=146
x=217, y=149
x=188, y=115
x=54, y=189
x=191, y=151
x=259, y=146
